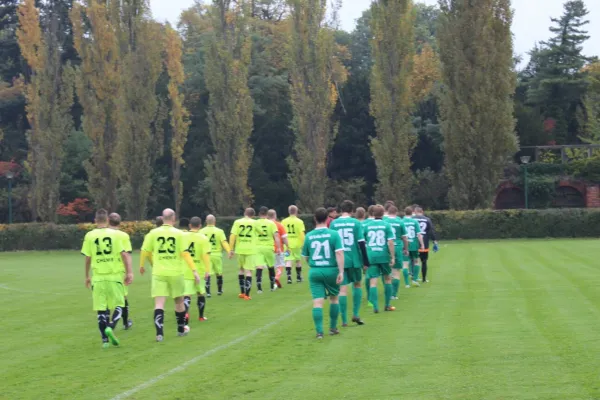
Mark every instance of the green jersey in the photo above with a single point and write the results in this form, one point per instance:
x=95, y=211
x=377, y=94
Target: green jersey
x=295, y=231
x=377, y=234
x=246, y=234
x=216, y=237
x=166, y=244
x=197, y=244
x=413, y=229
x=266, y=233
x=351, y=232
x=399, y=230
x=104, y=246
x=320, y=247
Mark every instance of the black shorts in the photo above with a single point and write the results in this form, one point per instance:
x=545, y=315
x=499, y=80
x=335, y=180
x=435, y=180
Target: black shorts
x=424, y=256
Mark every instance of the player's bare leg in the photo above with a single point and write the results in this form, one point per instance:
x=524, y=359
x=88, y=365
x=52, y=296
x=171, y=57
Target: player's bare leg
x=278, y=273
x=159, y=316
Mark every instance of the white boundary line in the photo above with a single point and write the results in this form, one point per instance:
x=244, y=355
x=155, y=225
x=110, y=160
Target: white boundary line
x=28, y=291
x=210, y=352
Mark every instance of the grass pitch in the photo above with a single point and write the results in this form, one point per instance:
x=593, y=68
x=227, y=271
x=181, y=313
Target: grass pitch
x=500, y=320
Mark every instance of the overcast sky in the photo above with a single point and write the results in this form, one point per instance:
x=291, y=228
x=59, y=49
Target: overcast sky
x=532, y=19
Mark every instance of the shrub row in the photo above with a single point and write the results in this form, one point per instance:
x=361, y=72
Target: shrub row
x=450, y=225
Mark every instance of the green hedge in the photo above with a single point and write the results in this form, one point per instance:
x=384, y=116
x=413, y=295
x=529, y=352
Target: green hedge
x=450, y=225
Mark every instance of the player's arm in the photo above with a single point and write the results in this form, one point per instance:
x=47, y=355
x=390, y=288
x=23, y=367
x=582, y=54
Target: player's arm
x=232, y=239
x=146, y=253
x=421, y=241
x=126, y=257
x=88, y=266
x=339, y=257
x=225, y=245
x=431, y=231
x=302, y=235
x=392, y=250
x=276, y=238
x=362, y=245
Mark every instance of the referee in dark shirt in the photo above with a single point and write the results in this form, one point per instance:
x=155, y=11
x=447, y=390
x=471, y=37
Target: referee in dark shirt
x=428, y=235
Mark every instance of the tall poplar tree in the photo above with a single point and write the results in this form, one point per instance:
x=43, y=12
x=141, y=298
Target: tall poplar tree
x=392, y=102
x=476, y=52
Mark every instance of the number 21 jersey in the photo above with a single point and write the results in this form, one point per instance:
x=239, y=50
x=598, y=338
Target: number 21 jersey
x=320, y=247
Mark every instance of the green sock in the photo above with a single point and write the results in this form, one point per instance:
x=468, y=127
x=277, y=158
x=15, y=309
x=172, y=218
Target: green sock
x=318, y=318
x=344, y=309
x=367, y=287
x=405, y=273
x=416, y=272
x=388, y=294
x=356, y=298
x=374, y=297
x=334, y=312
x=395, y=287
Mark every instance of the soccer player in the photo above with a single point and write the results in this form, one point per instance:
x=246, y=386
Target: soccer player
x=296, y=231
x=279, y=251
x=166, y=247
x=158, y=221
x=114, y=221
x=324, y=252
x=267, y=241
x=242, y=242
x=105, y=257
x=388, y=204
x=218, y=243
x=382, y=256
x=428, y=234
x=360, y=214
x=364, y=222
x=415, y=242
x=198, y=246
x=332, y=215
x=401, y=249
x=355, y=258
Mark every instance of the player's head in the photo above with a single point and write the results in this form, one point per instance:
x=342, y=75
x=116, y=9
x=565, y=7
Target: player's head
x=158, y=221
x=168, y=216
x=392, y=211
x=210, y=219
x=361, y=213
x=321, y=216
x=195, y=223
x=378, y=211
x=250, y=213
x=414, y=207
x=262, y=212
x=184, y=223
x=332, y=212
x=347, y=206
x=418, y=211
x=272, y=215
x=387, y=205
x=101, y=217
x=293, y=210
x=370, y=211
x=114, y=219
x=408, y=211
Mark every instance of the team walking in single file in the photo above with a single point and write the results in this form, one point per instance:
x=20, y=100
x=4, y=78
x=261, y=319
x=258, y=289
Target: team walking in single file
x=346, y=246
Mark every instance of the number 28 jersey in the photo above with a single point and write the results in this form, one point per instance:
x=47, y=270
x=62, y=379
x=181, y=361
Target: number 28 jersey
x=320, y=247
x=246, y=236
x=377, y=234
x=166, y=244
x=104, y=246
x=351, y=232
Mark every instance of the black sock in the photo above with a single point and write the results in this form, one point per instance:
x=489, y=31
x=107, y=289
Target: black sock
x=102, y=321
x=288, y=271
x=207, y=286
x=298, y=273
x=187, y=301
x=180, y=316
x=259, y=273
x=242, y=283
x=424, y=270
x=201, y=305
x=272, y=276
x=220, y=282
x=116, y=317
x=248, y=285
x=159, y=318
x=126, y=313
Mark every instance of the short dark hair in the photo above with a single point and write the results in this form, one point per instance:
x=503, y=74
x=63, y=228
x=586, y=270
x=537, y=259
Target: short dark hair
x=263, y=211
x=330, y=210
x=196, y=222
x=370, y=210
x=418, y=210
x=102, y=216
x=250, y=212
x=408, y=211
x=378, y=211
x=347, y=206
x=321, y=215
x=114, y=219
x=388, y=204
x=184, y=223
x=158, y=221
x=393, y=210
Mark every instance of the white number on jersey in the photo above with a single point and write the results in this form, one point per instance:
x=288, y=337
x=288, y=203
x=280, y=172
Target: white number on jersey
x=376, y=238
x=319, y=247
x=423, y=226
x=411, y=231
x=347, y=236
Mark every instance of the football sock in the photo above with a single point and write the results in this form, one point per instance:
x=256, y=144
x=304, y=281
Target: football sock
x=343, y=307
x=207, y=286
x=405, y=274
x=180, y=316
x=298, y=273
x=102, y=324
x=424, y=269
x=388, y=293
x=367, y=286
x=356, y=299
x=187, y=301
x=317, y=314
x=220, y=282
x=395, y=287
x=374, y=297
x=242, y=281
x=416, y=271
x=334, y=312
x=159, y=318
x=117, y=314
x=126, y=313
x=248, y=285
x=201, y=305
x=288, y=271
x=259, y=273
x=272, y=276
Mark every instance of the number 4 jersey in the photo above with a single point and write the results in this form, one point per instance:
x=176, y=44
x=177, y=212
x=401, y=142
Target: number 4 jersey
x=104, y=246
x=377, y=234
x=351, y=232
x=166, y=244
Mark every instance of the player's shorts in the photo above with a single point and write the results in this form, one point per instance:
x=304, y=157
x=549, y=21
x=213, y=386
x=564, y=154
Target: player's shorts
x=295, y=255
x=413, y=255
x=108, y=295
x=247, y=261
x=265, y=257
x=280, y=260
x=399, y=257
x=125, y=290
x=377, y=270
x=168, y=286
x=216, y=265
x=424, y=255
x=323, y=282
x=352, y=275
x=190, y=287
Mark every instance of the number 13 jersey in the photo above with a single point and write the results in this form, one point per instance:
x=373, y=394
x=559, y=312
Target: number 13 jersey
x=104, y=246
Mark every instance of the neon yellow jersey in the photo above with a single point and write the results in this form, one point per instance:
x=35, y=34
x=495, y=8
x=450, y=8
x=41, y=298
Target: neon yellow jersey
x=266, y=233
x=216, y=237
x=125, y=240
x=104, y=246
x=197, y=244
x=166, y=244
x=246, y=236
x=295, y=230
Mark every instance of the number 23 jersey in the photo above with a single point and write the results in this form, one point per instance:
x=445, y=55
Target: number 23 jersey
x=166, y=244
x=104, y=246
x=246, y=236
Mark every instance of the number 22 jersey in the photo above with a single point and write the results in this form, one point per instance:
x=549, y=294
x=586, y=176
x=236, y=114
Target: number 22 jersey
x=246, y=236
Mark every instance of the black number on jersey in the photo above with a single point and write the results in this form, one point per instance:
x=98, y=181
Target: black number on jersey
x=291, y=229
x=263, y=232
x=246, y=231
x=163, y=243
x=213, y=239
x=107, y=246
x=192, y=249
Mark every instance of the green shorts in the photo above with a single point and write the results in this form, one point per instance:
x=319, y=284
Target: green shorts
x=377, y=270
x=399, y=257
x=216, y=265
x=323, y=283
x=108, y=295
x=265, y=257
x=412, y=255
x=125, y=290
x=190, y=287
x=295, y=255
x=352, y=275
x=247, y=261
x=168, y=286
